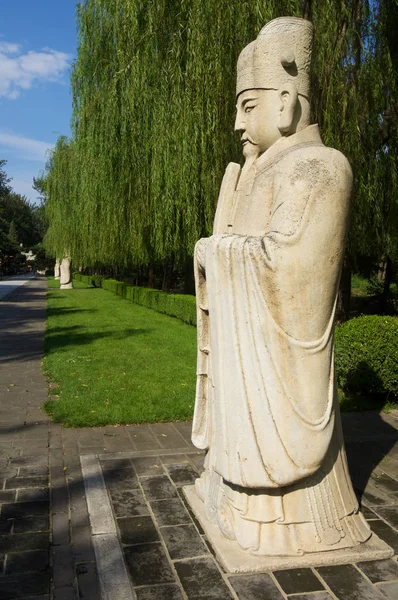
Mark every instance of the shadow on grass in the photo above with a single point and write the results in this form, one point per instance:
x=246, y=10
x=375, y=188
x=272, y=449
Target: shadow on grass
x=62, y=337
x=64, y=310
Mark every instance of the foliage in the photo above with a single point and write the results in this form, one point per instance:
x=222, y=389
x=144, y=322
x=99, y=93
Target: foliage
x=153, y=112
x=181, y=306
x=366, y=355
x=374, y=287
x=20, y=223
x=150, y=360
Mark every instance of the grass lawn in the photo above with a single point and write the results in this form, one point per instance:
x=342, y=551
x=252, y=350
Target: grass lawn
x=114, y=361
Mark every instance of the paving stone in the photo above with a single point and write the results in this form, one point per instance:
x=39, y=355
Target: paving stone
x=117, y=463
x=129, y=503
x=386, y=533
x=347, y=583
x=26, y=482
x=170, y=512
x=201, y=579
x=19, y=542
x=175, y=459
x=389, y=590
x=137, y=530
x=147, y=564
x=368, y=513
x=182, y=474
x=60, y=529
x=121, y=479
x=29, y=460
x=59, y=500
x=88, y=581
x=34, y=523
x=197, y=460
x=38, y=470
x=159, y=592
x=6, y=525
x=380, y=570
x=158, y=488
x=298, y=581
x=63, y=566
x=21, y=562
x=316, y=596
x=65, y=593
x=7, y=496
x=143, y=438
x=389, y=514
x=148, y=466
x=255, y=586
x=25, y=584
x=82, y=545
x=33, y=495
x=183, y=542
x=385, y=482
x=24, y=509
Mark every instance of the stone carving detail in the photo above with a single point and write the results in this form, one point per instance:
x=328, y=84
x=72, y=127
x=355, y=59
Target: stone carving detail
x=276, y=477
x=57, y=272
x=66, y=277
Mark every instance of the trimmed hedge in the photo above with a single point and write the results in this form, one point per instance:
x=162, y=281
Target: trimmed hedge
x=180, y=306
x=366, y=355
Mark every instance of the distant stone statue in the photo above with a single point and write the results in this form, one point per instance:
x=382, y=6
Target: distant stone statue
x=276, y=477
x=66, y=277
x=57, y=272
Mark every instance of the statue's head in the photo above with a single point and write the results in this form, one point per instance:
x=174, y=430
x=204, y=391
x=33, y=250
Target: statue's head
x=273, y=84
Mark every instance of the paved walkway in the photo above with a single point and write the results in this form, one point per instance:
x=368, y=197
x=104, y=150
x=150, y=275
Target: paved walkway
x=11, y=283
x=99, y=514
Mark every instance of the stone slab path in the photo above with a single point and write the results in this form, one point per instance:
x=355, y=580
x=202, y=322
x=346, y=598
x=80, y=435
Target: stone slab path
x=99, y=513
x=11, y=283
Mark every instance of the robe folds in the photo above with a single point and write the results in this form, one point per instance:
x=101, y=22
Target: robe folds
x=267, y=282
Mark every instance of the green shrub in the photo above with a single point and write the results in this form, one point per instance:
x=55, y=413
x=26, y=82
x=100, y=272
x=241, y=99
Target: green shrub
x=366, y=355
x=374, y=287
x=181, y=306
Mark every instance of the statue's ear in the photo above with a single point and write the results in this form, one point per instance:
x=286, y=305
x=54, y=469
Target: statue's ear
x=288, y=97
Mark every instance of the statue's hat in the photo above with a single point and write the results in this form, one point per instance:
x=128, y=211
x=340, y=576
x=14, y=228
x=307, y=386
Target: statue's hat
x=280, y=54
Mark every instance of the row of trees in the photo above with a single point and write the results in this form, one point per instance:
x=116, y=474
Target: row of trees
x=153, y=112
x=22, y=226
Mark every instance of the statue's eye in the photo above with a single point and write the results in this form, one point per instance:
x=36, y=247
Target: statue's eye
x=249, y=107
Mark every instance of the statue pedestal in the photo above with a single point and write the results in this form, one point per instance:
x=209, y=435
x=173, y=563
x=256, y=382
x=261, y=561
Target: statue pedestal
x=235, y=560
x=66, y=286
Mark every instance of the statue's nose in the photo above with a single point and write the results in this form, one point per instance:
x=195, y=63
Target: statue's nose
x=239, y=122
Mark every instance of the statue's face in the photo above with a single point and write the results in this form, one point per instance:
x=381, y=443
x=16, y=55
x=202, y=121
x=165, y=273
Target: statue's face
x=257, y=118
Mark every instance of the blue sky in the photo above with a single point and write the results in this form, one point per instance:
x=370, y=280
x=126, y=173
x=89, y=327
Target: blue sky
x=37, y=46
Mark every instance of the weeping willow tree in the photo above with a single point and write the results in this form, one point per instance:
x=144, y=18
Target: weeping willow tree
x=153, y=98
x=153, y=112
x=355, y=97
x=64, y=234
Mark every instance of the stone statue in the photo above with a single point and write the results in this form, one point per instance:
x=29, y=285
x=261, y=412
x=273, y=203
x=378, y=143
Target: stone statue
x=276, y=477
x=57, y=272
x=66, y=277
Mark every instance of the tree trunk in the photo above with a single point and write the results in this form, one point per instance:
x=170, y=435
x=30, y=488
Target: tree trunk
x=344, y=295
x=151, y=276
x=387, y=281
x=167, y=277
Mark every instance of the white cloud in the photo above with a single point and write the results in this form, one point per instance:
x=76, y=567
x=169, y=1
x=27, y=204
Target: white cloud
x=20, y=71
x=25, y=148
x=8, y=48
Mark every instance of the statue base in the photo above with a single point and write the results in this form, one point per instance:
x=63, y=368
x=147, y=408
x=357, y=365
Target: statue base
x=66, y=286
x=236, y=560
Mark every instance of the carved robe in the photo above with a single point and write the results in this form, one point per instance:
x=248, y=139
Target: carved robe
x=267, y=283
